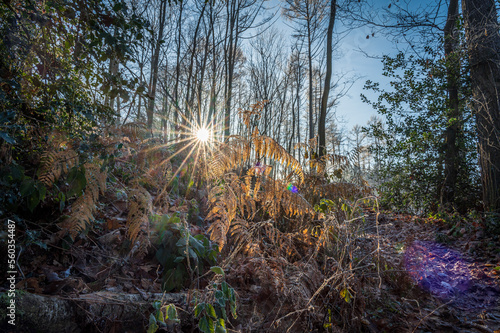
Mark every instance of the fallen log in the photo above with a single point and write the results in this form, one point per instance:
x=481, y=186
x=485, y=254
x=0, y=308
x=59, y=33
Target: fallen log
x=95, y=312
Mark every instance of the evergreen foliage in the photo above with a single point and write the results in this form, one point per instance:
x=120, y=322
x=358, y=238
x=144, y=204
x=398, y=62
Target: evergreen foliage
x=411, y=155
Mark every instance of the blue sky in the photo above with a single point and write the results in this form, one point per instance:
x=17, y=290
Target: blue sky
x=351, y=61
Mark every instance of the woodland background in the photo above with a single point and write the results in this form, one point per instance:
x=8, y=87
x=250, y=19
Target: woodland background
x=104, y=172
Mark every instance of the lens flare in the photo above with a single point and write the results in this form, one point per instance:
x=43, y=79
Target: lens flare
x=202, y=134
x=292, y=188
x=446, y=274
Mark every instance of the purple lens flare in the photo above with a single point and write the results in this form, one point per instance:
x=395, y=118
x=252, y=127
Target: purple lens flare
x=446, y=274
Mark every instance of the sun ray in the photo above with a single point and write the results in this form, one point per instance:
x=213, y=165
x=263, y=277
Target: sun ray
x=183, y=163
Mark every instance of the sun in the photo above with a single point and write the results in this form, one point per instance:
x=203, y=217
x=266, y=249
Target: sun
x=202, y=134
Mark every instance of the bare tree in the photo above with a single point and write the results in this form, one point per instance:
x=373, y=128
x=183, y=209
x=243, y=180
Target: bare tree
x=309, y=15
x=157, y=42
x=241, y=15
x=328, y=77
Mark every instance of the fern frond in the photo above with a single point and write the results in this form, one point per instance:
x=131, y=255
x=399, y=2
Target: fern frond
x=140, y=208
x=84, y=206
x=55, y=164
x=134, y=130
x=276, y=198
x=237, y=151
x=224, y=205
x=267, y=146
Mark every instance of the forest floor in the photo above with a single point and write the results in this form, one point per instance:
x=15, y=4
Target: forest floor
x=431, y=276
x=455, y=270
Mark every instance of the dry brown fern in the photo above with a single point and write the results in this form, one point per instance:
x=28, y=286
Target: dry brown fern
x=242, y=198
x=140, y=208
x=55, y=163
x=237, y=152
x=224, y=204
x=133, y=130
x=84, y=206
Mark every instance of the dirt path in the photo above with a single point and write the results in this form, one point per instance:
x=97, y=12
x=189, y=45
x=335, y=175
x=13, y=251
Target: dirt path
x=458, y=276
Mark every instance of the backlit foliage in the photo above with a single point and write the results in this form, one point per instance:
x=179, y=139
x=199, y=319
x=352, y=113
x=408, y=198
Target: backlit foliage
x=252, y=201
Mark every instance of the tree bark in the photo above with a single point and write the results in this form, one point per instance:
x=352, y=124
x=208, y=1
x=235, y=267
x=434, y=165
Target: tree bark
x=96, y=312
x=154, y=66
x=178, y=68
x=328, y=78
x=451, y=150
x=483, y=41
x=189, y=93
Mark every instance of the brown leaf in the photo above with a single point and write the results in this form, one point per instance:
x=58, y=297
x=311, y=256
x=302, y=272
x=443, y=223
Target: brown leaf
x=30, y=284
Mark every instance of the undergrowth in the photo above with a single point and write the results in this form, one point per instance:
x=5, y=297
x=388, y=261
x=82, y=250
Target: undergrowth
x=285, y=237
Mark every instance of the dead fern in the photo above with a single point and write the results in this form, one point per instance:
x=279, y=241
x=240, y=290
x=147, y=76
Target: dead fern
x=56, y=162
x=237, y=152
x=133, y=130
x=140, y=208
x=240, y=198
x=84, y=206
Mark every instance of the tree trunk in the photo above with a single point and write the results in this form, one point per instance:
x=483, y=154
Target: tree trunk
x=154, y=66
x=483, y=43
x=178, y=69
x=451, y=151
x=229, y=65
x=211, y=107
x=328, y=78
x=189, y=104
x=311, y=100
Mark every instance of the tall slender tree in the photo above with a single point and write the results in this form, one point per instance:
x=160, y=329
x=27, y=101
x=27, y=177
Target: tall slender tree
x=154, y=63
x=309, y=16
x=483, y=41
x=328, y=78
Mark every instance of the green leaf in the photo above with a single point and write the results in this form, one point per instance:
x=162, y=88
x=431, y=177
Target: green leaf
x=232, y=302
x=217, y=270
x=174, y=278
x=224, y=314
x=221, y=326
x=346, y=295
x=210, y=311
x=179, y=259
x=27, y=187
x=42, y=191
x=198, y=309
x=33, y=201
x=232, y=295
x=172, y=313
x=233, y=310
x=196, y=244
x=206, y=325
x=160, y=317
x=153, y=327
x=225, y=289
x=156, y=305
x=62, y=201
x=77, y=181
x=219, y=296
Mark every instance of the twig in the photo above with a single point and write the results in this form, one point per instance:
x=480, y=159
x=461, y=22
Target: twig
x=429, y=315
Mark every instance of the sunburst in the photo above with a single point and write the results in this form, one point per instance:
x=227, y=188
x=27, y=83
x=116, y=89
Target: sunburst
x=199, y=138
x=202, y=134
